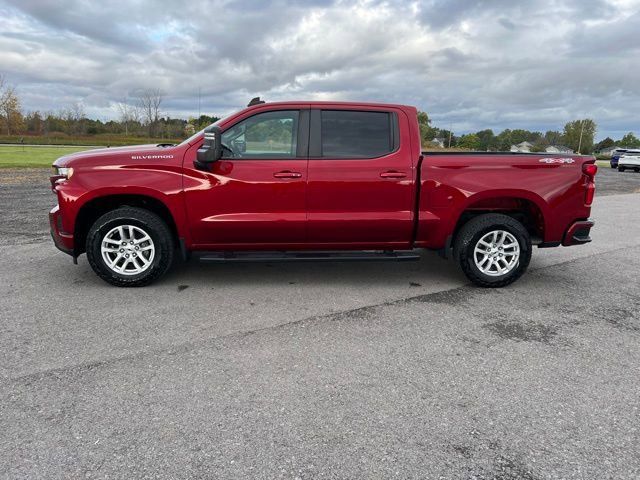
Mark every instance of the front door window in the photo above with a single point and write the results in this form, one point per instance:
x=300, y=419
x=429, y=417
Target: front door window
x=265, y=135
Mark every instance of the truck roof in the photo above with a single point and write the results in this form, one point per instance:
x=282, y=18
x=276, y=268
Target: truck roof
x=335, y=103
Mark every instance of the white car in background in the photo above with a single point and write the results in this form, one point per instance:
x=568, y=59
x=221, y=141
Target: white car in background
x=629, y=160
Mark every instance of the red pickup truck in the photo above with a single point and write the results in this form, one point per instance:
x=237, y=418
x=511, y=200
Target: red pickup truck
x=316, y=181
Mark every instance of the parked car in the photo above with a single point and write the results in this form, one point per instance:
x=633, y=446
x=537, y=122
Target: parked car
x=316, y=181
x=615, y=156
x=630, y=161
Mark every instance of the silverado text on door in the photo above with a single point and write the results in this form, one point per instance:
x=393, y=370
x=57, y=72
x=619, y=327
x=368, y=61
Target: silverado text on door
x=313, y=181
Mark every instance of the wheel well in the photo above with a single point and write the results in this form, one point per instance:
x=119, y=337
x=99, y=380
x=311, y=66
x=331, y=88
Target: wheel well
x=523, y=210
x=97, y=207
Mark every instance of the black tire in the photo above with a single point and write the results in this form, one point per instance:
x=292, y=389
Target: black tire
x=474, y=230
x=151, y=224
x=621, y=169
x=636, y=170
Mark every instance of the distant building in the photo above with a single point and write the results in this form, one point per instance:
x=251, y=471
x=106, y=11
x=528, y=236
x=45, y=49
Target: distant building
x=558, y=149
x=438, y=142
x=608, y=152
x=524, y=147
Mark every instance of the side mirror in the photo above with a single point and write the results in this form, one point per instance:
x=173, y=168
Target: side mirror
x=211, y=149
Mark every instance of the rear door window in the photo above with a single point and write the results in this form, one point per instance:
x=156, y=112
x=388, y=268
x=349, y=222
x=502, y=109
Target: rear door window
x=356, y=134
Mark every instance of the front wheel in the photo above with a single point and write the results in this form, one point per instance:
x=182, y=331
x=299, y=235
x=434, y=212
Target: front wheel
x=129, y=247
x=621, y=169
x=493, y=250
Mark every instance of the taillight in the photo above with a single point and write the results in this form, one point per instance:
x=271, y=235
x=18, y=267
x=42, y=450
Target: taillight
x=590, y=170
x=591, y=192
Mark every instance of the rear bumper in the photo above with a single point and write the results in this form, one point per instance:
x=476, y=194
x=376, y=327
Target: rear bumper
x=578, y=233
x=62, y=240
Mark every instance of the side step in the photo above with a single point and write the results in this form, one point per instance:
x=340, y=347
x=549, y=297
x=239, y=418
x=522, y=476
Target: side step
x=307, y=256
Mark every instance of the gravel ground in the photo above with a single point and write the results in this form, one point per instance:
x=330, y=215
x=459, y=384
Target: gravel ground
x=320, y=370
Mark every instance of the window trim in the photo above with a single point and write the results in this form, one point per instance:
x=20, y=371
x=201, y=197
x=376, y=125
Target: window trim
x=302, y=146
x=315, y=136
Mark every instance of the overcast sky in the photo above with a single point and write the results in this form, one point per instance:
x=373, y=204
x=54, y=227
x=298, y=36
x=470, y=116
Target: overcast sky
x=531, y=64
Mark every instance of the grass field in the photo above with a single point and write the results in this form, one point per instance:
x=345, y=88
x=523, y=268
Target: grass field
x=16, y=157
x=105, y=140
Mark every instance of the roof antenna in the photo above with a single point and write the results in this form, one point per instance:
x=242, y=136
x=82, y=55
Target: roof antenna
x=255, y=101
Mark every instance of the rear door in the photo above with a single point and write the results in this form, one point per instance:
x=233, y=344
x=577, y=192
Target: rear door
x=360, y=191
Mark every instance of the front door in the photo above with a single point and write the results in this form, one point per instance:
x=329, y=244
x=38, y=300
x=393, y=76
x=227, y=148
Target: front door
x=254, y=196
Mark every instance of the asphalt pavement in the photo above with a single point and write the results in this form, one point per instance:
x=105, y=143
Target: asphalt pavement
x=379, y=370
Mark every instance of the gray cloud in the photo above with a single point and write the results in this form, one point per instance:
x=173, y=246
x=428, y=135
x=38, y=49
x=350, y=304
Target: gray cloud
x=487, y=64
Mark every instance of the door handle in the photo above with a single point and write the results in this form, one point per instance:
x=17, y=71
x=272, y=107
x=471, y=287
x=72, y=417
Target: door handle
x=393, y=174
x=287, y=174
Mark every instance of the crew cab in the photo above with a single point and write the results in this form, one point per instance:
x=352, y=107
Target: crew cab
x=630, y=160
x=316, y=181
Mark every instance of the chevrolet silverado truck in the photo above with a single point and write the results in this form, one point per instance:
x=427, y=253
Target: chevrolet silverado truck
x=316, y=181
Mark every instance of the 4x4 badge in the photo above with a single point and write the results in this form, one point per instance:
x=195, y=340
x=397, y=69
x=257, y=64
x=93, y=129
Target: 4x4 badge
x=557, y=160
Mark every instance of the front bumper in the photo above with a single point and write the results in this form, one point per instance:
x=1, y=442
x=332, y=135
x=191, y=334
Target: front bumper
x=578, y=233
x=62, y=239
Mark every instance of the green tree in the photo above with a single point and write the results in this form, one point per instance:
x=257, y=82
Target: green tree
x=553, y=137
x=578, y=135
x=450, y=140
x=630, y=140
x=427, y=133
x=488, y=140
x=606, y=143
x=538, y=147
x=504, y=140
x=470, y=141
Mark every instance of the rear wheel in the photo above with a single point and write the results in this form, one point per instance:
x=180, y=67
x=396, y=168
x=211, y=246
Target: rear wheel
x=129, y=247
x=493, y=250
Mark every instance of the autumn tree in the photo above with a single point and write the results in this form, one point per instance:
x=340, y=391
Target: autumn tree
x=74, y=116
x=128, y=114
x=9, y=106
x=149, y=101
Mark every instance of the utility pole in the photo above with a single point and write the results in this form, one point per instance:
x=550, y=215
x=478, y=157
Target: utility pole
x=450, y=133
x=199, y=102
x=580, y=141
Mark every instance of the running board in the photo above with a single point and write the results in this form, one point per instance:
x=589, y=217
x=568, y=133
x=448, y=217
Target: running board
x=302, y=256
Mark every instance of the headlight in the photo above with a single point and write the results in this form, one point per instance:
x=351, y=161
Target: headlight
x=60, y=174
x=63, y=172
